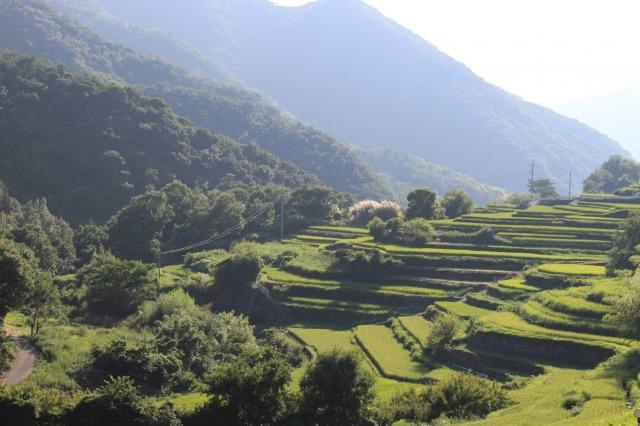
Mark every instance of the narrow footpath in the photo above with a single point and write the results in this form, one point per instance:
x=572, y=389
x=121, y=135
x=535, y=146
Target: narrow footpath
x=25, y=360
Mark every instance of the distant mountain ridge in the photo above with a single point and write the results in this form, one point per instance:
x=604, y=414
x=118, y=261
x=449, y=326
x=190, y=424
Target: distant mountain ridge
x=32, y=26
x=344, y=67
x=88, y=146
x=227, y=108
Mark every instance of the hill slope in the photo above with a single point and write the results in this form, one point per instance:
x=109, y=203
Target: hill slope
x=406, y=172
x=32, y=26
x=376, y=84
x=88, y=146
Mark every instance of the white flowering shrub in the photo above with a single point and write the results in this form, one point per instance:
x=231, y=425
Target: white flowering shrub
x=362, y=212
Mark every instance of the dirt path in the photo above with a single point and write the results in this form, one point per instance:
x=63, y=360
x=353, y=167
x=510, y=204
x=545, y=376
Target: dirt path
x=25, y=359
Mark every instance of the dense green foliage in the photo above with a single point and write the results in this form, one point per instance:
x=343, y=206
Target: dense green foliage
x=108, y=143
x=118, y=402
x=32, y=224
x=336, y=390
x=457, y=203
x=18, y=270
x=463, y=396
x=423, y=203
x=441, y=334
x=415, y=232
x=229, y=108
x=615, y=173
x=250, y=390
x=543, y=188
x=116, y=287
x=625, y=243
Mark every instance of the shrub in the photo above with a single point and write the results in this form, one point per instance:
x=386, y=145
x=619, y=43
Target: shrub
x=335, y=390
x=415, y=232
x=250, y=390
x=463, y=396
x=441, y=334
x=115, y=287
x=202, y=340
x=364, y=211
x=242, y=269
x=165, y=305
x=118, y=402
x=147, y=368
x=457, y=203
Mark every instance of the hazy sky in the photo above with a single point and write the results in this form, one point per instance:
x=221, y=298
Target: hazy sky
x=570, y=55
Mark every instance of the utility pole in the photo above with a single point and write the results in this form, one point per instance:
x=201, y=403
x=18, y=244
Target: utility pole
x=532, y=175
x=282, y=218
x=570, y=178
x=158, y=273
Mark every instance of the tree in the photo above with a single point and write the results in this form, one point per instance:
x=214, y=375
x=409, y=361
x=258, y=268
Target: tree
x=457, y=203
x=336, y=390
x=90, y=240
x=142, y=363
x=625, y=244
x=42, y=303
x=118, y=402
x=625, y=317
x=133, y=228
x=203, y=340
x=314, y=205
x=18, y=268
x=441, y=334
x=116, y=287
x=543, y=188
x=422, y=203
x=242, y=269
x=251, y=390
x=615, y=173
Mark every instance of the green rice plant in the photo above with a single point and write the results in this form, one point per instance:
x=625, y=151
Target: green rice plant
x=463, y=310
x=562, y=301
x=416, y=325
x=573, y=269
x=324, y=339
x=395, y=249
x=388, y=355
x=342, y=229
x=517, y=284
x=536, y=313
x=510, y=323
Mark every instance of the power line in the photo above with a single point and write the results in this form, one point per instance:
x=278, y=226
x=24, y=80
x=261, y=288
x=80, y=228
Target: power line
x=224, y=233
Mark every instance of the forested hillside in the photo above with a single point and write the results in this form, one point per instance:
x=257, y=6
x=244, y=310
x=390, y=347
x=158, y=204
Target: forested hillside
x=347, y=69
x=32, y=26
x=88, y=146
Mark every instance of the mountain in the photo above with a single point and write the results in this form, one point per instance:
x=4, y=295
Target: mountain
x=34, y=27
x=616, y=114
x=344, y=67
x=201, y=107
x=406, y=172
x=88, y=145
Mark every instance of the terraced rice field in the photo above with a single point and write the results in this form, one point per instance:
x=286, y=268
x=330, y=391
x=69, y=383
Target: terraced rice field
x=567, y=241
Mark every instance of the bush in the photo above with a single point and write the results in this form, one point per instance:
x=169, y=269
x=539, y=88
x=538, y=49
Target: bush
x=115, y=287
x=147, y=368
x=118, y=402
x=335, y=390
x=365, y=263
x=202, y=340
x=242, y=269
x=165, y=305
x=415, y=232
x=457, y=203
x=6, y=351
x=364, y=211
x=441, y=334
x=463, y=396
x=251, y=390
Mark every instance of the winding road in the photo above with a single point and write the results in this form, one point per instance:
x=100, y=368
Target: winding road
x=25, y=359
